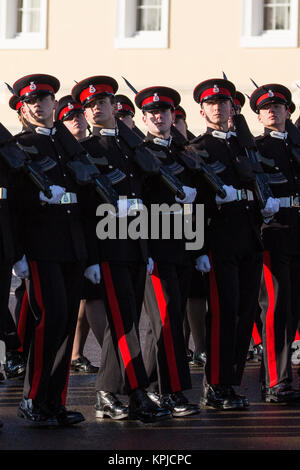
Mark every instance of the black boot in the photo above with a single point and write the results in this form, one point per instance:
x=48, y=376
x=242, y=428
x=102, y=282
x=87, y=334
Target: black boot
x=68, y=417
x=15, y=365
x=36, y=414
x=108, y=405
x=141, y=407
x=82, y=364
x=179, y=405
x=280, y=393
x=221, y=397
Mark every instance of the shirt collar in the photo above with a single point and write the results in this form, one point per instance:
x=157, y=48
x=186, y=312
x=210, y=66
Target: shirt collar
x=109, y=132
x=279, y=135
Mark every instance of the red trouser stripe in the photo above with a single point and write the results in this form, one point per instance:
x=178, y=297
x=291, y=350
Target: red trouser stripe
x=23, y=320
x=39, y=332
x=64, y=392
x=270, y=321
x=215, y=328
x=118, y=325
x=255, y=335
x=166, y=330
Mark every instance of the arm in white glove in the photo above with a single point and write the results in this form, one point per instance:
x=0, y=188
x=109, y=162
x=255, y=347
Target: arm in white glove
x=21, y=268
x=190, y=194
x=272, y=206
x=202, y=264
x=150, y=266
x=231, y=195
x=93, y=273
x=57, y=193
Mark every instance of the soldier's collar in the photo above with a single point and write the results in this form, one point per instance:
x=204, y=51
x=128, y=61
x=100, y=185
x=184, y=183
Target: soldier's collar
x=220, y=134
x=279, y=135
x=162, y=142
x=109, y=132
x=45, y=130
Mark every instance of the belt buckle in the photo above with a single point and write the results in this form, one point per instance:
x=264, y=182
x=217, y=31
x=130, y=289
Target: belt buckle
x=295, y=201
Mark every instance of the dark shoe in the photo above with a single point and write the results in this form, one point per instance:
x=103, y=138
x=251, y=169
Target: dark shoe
x=82, y=364
x=179, y=405
x=189, y=355
x=108, y=405
x=233, y=393
x=35, y=414
x=141, y=407
x=67, y=417
x=221, y=398
x=15, y=365
x=199, y=358
x=280, y=393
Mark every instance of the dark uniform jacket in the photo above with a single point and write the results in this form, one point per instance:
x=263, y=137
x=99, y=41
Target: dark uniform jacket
x=235, y=222
x=283, y=232
x=53, y=232
x=120, y=156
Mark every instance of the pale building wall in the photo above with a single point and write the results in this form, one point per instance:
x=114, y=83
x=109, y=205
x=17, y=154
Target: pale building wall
x=204, y=40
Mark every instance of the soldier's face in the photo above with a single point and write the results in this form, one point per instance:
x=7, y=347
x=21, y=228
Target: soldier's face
x=77, y=124
x=273, y=115
x=100, y=111
x=159, y=121
x=39, y=110
x=216, y=112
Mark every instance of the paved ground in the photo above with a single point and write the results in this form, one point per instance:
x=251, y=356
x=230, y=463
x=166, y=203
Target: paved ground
x=262, y=427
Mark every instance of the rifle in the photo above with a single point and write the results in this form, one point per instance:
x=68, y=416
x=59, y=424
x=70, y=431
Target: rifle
x=17, y=159
x=84, y=171
x=294, y=136
x=149, y=162
x=247, y=142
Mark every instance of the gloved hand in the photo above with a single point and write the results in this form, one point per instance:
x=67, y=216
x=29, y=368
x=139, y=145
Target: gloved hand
x=190, y=194
x=231, y=195
x=57, y=193
x=123, y=206
x=93, y=273
x=202, y=264
x=272, y=206
x=150, y=266
x=21, y=268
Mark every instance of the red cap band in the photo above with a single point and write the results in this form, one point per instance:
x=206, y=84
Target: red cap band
x=67, y=109
x=33, y=87
x=179, y=113
x=215, y=91
x=267, y=95
x=124, y=107
x=19, y=105
x=156, y=99
x=95, y=89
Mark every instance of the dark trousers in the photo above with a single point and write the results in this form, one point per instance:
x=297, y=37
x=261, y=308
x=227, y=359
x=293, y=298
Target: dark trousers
x=122, y=368
x=165, y=301
x=280, y=312
x=54, y=291
x=234, y=282
x=5, y=281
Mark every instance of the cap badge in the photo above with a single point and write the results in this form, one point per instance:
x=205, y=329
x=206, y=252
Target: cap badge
x=216, y=89
x=270, y=93
x=119, y=105
x=155, y=97
x=92, y=89
x=32, y=86
x=70, y=106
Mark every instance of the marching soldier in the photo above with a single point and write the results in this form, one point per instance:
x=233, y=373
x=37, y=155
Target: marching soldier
x=279, y=296
x=58, y=242
x=233, y=251
x=168, y=285
x=123, y=263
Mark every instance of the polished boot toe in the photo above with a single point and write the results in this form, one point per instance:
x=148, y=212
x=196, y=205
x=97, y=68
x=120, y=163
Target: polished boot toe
x=36, y=414
x=108, y=405
x=280, y=393
x=179, y=405
x=142, y=408
x=221, y=397
x=15, y=365
x=82, y=364
x=199, y=358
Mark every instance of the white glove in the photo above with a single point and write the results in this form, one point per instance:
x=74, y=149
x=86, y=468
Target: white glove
x=190, y=194
x=203, y=264
x=21, y=268
x=231, y=195
x=57, y=193
x=150, y=266
x=93, y=273
x=123, y=206
x=272, y=206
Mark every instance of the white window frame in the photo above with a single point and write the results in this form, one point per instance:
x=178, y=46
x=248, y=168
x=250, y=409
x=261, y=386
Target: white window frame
x=252, y=27
x=10, y=39
x=127, y=37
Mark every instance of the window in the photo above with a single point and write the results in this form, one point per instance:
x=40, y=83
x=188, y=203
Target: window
x=270, y=23
x=23, y=24
x=142, y=24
